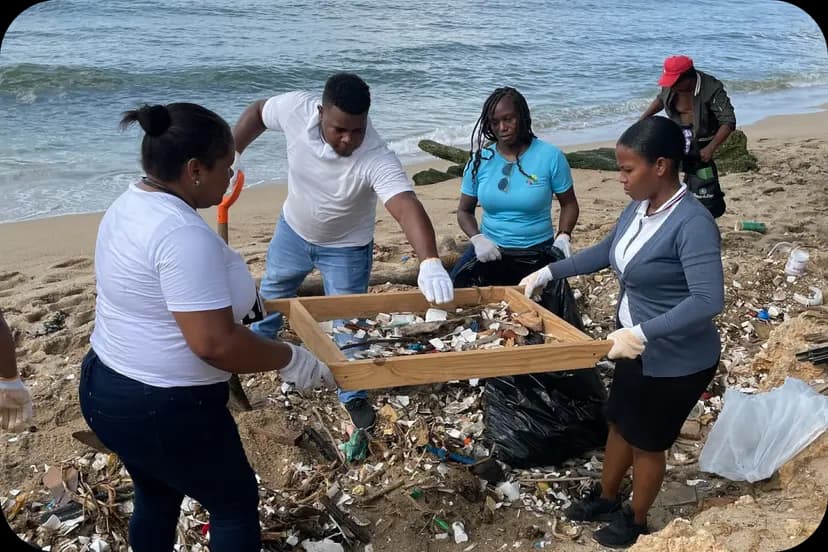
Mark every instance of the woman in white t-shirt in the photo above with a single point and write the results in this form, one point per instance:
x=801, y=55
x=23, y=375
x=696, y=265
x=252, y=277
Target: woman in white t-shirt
x=170, y=295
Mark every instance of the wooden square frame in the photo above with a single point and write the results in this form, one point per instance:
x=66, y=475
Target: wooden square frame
x=574, y=350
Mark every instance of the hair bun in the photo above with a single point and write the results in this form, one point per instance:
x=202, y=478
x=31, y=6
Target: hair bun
x=154, y=119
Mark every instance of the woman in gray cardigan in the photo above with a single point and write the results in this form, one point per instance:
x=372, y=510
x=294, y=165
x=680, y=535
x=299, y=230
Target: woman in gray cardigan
x=665, y=251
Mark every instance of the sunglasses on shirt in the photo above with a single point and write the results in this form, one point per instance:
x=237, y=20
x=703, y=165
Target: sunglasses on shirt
x=503, y=185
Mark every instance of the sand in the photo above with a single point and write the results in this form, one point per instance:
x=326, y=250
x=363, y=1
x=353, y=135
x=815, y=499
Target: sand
x=46, y=268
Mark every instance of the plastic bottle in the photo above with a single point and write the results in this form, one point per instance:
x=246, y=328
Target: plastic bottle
x=797, y=261
x=751, y=225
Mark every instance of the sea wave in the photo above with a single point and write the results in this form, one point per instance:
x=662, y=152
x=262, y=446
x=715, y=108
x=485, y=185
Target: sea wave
x=30, y=81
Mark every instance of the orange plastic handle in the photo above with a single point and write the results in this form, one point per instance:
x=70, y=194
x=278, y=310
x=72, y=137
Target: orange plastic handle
x=223, y=212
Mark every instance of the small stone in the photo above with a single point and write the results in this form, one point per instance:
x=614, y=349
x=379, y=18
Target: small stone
x=691, y=429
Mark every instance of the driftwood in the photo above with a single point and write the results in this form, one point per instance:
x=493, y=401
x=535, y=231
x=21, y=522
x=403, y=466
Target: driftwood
x=731, y=157
x=456, y=170
x=598, y=159
x=396, y=274
x=449, y=153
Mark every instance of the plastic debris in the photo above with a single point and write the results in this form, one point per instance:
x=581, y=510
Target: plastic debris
x=325, y=545
x=356, y=448
x=459, y=532
x=813, y=299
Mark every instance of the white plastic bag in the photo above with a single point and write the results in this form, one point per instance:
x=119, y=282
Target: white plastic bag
x=755, y=434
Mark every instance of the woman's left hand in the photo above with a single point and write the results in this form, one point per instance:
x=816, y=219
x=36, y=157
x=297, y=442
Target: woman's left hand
x=625, y=344
x=562, y=243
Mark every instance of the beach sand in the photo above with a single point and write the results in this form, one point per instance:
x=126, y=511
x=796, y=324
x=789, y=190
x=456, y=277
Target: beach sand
x=46, y=268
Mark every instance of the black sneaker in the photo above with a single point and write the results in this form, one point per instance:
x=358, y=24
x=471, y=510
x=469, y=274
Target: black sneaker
x=622, y=532
x=362, y=413
x=594, y=508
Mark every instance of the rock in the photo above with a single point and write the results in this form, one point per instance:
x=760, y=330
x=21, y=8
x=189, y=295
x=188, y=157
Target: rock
x=733, y=155
x=678, y=494
x=793, y=527
x=601, y=159
x=678, y=536
x=691, y=429
x=430, y=176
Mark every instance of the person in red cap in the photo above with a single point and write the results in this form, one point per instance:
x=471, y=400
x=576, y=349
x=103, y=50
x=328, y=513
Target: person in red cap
x=698, y=102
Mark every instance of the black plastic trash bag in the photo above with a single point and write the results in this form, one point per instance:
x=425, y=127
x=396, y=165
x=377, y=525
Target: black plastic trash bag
x=539, y=419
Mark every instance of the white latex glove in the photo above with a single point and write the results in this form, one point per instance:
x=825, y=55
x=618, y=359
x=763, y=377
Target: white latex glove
x=625, y=344
x=15, y=405
x=434, y=282
x=562, y=243
x=305, y=371
x=485, y=249
x=537, y=279
x=237, y=168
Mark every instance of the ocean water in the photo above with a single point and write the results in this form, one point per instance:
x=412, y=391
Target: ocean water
x=68, y=68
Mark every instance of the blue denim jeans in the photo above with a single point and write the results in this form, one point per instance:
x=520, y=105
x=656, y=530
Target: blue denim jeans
x=467, y=255
x=174, y=442
x=290, y=259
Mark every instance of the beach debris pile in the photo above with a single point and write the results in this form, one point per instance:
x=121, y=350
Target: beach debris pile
x=490, y=326
x=425, y=455
x=423, y=452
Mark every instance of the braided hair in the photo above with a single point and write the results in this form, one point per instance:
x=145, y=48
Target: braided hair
x=482, y=128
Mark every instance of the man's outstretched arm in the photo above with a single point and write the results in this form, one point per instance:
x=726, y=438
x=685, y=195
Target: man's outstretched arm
x=433, y=280
x=249, y=126
x=655, y=106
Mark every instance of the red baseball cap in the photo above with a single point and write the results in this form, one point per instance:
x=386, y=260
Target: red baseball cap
x=674, y=66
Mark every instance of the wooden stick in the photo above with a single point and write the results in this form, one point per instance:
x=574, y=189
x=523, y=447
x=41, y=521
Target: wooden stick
x=441, y=367
x=382, y=492
x=312, y=335
x=552, y=479
x=328, y=433
x=343, y=520
x=369, y=304
x=289, y=438
x=552, y=324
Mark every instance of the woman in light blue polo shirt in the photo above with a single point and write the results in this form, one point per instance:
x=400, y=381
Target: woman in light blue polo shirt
x=514, y=179
x=666, y=252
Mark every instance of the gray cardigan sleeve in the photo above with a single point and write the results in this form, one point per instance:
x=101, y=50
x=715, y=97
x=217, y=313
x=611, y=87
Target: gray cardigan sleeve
x=594, y=258
x=698, y=246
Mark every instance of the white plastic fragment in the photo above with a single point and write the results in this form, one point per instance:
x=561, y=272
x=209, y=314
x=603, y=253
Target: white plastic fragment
x=437, y=343
x=435, y=315
x=459, y=532
x=812, y=299
x=404, y=400
x=326, y=545
x=508, y=490
x=99, y=546
x=52, y=524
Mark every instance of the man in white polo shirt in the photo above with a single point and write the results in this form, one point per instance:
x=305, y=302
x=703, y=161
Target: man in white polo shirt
x=337, y=168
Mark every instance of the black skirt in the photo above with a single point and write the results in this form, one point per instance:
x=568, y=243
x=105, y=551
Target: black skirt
x=648, y=411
